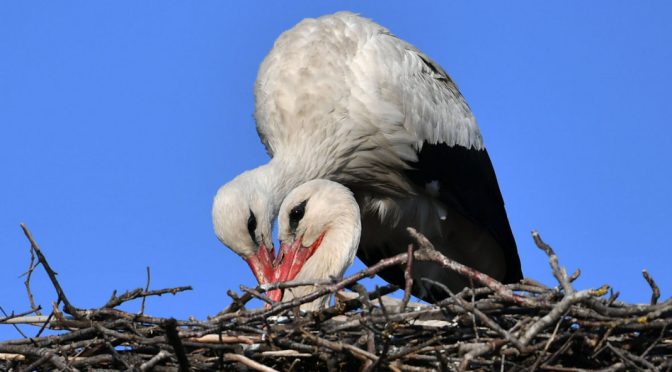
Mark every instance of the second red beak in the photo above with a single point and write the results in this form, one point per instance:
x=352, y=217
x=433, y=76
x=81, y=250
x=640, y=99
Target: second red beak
x=290, y=261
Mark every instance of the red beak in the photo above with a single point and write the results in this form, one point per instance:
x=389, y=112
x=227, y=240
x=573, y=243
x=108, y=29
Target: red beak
x=289, y=262
x=261, y=264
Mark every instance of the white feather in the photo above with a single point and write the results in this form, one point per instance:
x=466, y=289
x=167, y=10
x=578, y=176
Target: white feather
x=340, y=97
x=331, y=210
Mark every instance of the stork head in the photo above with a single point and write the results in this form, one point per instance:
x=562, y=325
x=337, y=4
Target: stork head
x=242, y=215
x=320, y=220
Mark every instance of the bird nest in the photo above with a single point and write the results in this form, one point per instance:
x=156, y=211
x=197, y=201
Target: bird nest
x=492, y=326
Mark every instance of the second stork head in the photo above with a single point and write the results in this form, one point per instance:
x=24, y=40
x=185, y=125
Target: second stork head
x=319, y=230
x=242, y=215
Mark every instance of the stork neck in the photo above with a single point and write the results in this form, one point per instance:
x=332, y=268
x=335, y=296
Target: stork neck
x=280, y=176
x=283, y=174
x=334, y=255
x=337, y=250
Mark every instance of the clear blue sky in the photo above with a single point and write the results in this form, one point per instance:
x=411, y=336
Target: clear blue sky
x=119, y=121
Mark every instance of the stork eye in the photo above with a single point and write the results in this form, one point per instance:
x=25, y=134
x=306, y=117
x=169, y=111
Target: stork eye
x=296, y=214
x=252, y=226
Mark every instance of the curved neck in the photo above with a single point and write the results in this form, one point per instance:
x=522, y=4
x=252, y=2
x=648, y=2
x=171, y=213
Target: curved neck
x=334, y=255
x=283, y=174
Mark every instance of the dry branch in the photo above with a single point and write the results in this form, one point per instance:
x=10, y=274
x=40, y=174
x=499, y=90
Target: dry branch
x=522, y=326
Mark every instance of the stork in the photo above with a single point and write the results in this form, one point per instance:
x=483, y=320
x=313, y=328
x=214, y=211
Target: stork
x=341, y=98
x=319, y=229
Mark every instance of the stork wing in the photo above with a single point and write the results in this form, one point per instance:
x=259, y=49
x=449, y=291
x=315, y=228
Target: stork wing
x=456, y=201
x=457, y=204
x=400, y=77
x=465, y=182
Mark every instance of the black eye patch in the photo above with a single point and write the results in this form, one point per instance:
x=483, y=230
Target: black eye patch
x=296, y=214
x=252, y=226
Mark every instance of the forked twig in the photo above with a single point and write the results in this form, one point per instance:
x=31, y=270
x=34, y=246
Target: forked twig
x=52, y=275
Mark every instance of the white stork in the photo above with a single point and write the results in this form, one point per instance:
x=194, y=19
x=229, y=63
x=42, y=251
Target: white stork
x=341, y=98
x=319, y=229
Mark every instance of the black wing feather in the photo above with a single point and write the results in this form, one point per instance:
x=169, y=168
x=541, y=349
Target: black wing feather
x=468, y=184
x=475, y=218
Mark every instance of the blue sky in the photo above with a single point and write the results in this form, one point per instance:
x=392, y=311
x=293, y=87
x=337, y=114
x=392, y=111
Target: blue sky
x=119, y=121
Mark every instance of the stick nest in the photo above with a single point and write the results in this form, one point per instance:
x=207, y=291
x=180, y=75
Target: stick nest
x=492, y=326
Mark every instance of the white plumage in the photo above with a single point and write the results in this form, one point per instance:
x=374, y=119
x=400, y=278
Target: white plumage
x=329, y=222
x=339, y=97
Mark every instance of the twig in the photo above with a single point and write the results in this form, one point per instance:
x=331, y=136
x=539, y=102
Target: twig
x=428, y=253
x=339, y=346
x=613, y=296
x=655, y=291
x=525, y=325
x=142, y=303
x=560, y=309
x=327, y=289
x=547, y=345
x=484, y=318
x=11, y=316
x=256, y=294
x=116, y=355
x=630, y=358
x=654, y=343
x=363, y=301
x=170, y=326
x=559, y=272
x=33, y=366
x=236, y=304
x=156, y=359
x=475, y=350
x=45, y=324
x=248, y=362
x=222, y=339
x=56, y=360
x=575, y=275
x=295, y=283
x=115, y=301
x=473, y=305
x=9, y=320
x=52, y=275
x=408, y=278
x=29, y=274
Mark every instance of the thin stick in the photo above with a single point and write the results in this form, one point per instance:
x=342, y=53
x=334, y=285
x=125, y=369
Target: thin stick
x=655, y=291
x=9, y=317
x=115, y=301
x=170, y=326
x=256, y=294
x=33, y=366
x=427, y=252
x=52, y=275
x=142, y=303
x=560, y=309
x=29, y=274
x=156, y=359
x=13, y=316
x=559, y=272
x=408, y=279
x=364, y=332
x=248, y=362
x=484, y=318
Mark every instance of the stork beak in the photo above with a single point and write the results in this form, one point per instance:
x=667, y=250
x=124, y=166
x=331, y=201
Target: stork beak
x=289, y=262
x=261, y=264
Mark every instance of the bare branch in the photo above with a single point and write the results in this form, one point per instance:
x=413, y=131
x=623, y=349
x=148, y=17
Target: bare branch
x=559, y=272
x=521, y=326
x=655, y=291
x=52, y=275
x=248, y=362
x=408, y=278
x=142, y=304
x=115, y=301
